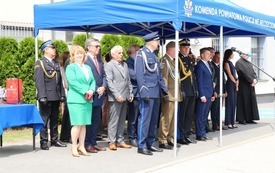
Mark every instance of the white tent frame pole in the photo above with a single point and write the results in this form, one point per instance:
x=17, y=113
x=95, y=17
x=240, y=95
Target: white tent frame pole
x=36, y=49
x=221, y=82
x=176, y=91
x=36, y=58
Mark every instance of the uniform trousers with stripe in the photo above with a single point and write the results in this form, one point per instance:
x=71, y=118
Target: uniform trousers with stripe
x=147, y=124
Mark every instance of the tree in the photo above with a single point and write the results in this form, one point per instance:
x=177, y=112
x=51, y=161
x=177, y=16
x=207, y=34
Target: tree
x=27, y=62
x=107, y=42
x=9, y=61
x=80, y=39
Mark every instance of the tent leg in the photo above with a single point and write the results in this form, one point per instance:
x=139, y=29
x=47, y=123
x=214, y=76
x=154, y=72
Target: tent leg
x=176, y=91
x=221, y=82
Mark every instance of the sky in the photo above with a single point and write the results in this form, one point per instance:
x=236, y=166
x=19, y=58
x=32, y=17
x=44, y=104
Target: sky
x=23, y=10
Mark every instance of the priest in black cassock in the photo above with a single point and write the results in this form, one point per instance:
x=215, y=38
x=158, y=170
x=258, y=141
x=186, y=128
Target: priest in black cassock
x=247, y=108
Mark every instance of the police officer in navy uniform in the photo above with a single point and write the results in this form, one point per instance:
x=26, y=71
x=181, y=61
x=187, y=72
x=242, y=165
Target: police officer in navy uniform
x=50, y=92
x=151, y=87
x=189, y=92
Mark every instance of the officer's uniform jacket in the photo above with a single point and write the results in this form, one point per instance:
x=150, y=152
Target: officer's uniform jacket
x=49, y=87
x=168, y=73
x=188, y=85
x=131, y=66
x=150, y=83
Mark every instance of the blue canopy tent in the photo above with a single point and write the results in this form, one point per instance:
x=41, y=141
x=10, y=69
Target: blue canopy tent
x=192, y=18
x=172, y=19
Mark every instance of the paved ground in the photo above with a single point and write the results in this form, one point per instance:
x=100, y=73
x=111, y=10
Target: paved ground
x=249, y=149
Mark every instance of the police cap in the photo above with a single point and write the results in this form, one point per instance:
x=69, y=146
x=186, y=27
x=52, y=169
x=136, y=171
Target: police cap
x=48, y=43
x=151, y=36
x=184, y=42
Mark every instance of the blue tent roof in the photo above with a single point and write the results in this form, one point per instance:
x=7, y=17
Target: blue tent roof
x=193, y=18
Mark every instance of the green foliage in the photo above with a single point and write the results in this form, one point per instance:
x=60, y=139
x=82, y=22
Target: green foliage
x=27, y=61
x=60, y=46
x=9, y=66
x=127, y=41
x=8, y=44
x=108, y=41
x=80, y=39
x=27, y=75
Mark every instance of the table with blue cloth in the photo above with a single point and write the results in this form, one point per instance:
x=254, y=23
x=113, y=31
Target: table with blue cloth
x=23, y=115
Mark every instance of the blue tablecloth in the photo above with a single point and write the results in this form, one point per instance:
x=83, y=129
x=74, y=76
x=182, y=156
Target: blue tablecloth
x=20, y=115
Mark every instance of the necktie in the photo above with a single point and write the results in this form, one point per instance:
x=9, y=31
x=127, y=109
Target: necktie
x=209, y=68
x=96, y=65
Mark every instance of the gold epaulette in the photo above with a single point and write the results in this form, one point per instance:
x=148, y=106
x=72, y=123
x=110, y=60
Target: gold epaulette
x=45, y=72
x=186, y=74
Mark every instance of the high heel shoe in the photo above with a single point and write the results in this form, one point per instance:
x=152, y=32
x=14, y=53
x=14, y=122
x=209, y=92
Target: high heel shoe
x=75, y=152
x=83, y=151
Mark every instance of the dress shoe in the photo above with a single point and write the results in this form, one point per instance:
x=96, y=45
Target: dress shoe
x=91, y=149
x=183, y=142
x=172, y=144
x=123, y=145
x=134, y=143
x=217, y=128
x=83, y=151
x=145, y=151
x=251, y=122
x=230, y=126
x=200, y=138
x=225, y=128
x=99, y=148
x=58, y=144
x=242, y=122
x=165, y=146
x=190, y=141
x=112, y=146
x=154, y=149
x=44, y=146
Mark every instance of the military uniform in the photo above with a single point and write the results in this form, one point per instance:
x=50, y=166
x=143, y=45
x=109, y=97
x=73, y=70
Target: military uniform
x=150, y=87
x=166, y=125
x=50, y=91
x=189, y=90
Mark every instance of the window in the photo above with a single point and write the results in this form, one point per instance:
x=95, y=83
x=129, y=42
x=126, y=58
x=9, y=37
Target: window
x=256, y=55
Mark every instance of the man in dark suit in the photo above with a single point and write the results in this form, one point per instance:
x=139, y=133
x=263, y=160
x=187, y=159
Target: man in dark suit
x=203, y=74
x=134, y=105
x=150, y=86
x=215, y=107
x=96, y=64
x=50, y=92
x=119, y=92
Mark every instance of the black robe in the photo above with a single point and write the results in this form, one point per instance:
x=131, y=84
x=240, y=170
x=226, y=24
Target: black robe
x=247, y=108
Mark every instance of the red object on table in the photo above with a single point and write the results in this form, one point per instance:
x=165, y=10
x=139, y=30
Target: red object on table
x=14, y=91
